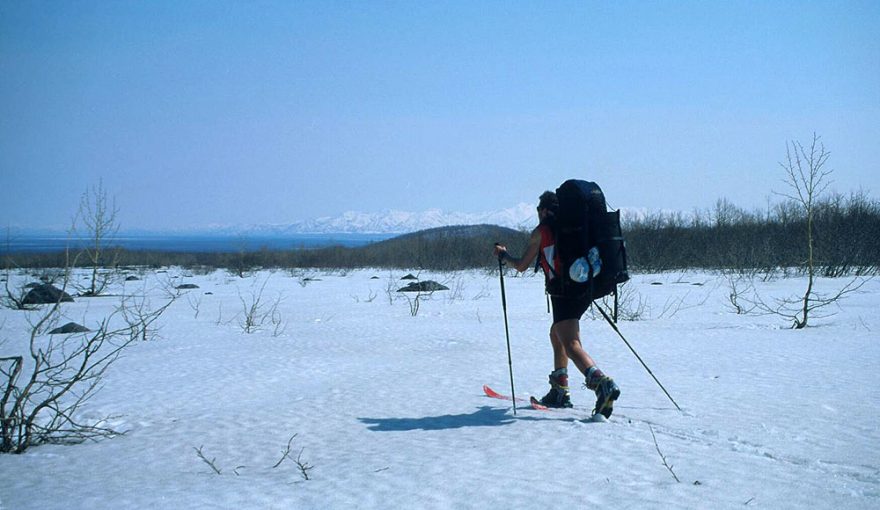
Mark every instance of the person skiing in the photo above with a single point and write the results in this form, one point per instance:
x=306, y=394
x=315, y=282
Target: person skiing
x=567, y=311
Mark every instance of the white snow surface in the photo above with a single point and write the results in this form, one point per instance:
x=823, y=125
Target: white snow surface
x=389, y=410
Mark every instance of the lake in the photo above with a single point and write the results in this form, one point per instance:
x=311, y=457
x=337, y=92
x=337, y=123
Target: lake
x=43, y=243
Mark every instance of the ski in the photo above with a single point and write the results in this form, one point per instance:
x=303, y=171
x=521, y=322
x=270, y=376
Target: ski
x=538, y=406
x=494, y=394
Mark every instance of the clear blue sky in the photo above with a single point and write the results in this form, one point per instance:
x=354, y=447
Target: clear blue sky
x=195, y=113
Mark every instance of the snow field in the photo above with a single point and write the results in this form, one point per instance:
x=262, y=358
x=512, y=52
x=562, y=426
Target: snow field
x=388, y=408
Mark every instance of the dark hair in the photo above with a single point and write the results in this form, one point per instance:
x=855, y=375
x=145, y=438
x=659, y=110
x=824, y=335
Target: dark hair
x=549, y=201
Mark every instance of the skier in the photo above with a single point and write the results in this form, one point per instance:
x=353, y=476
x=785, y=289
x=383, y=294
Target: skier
x=567, y=311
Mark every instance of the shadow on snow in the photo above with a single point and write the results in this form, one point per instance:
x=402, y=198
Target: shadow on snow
x=483, y=417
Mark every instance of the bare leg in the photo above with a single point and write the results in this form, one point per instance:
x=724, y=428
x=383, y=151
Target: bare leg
x=560, y=357
x=567, y=335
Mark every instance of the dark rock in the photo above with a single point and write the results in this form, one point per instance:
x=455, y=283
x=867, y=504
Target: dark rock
x=410, y=277
x=131, y=278
x=46, y=294
x=70, y=327
x=187, y=286
x=426, y=286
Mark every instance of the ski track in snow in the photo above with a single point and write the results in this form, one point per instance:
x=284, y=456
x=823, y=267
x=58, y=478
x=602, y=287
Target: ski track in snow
x=388, y=407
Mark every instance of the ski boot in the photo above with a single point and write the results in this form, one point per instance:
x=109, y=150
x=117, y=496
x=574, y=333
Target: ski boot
x=607, y=392
x=558, y=396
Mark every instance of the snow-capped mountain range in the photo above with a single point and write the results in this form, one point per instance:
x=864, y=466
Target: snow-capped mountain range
x=388, y=222
x=520, y=217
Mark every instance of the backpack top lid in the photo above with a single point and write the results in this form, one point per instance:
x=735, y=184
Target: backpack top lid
x=577, y=199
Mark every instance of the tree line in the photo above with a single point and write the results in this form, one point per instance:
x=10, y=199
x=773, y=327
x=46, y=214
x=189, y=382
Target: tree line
x=846, y=232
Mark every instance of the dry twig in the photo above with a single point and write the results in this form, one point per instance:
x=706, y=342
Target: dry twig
x=205, y=459
x=663, y=457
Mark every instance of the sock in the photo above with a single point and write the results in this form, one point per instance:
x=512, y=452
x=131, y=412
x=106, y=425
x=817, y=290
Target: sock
x=559, y=377
x=593, y=377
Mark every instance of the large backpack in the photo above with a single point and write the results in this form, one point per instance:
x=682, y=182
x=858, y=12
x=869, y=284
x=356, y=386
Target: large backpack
x=590, y=251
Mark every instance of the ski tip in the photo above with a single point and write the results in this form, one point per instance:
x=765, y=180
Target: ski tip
x=537, y=405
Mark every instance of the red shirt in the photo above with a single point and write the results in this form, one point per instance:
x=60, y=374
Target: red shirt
x=548, y=252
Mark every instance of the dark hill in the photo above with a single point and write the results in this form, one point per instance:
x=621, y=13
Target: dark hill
x=443, y=248
x=458, y=232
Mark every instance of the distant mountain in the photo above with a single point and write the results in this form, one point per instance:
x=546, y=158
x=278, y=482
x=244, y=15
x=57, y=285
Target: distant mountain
x=387, y=222
x=440, y=248
x=456, y=233
x=520, y=217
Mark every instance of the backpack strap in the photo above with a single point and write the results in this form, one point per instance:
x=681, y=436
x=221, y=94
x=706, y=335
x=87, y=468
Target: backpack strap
x=547, y=229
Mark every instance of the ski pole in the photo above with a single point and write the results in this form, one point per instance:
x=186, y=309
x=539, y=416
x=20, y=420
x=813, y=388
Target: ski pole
x=506, y=329
x=614, y=326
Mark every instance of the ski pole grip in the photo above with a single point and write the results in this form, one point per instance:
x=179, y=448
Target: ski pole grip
x=501, y=255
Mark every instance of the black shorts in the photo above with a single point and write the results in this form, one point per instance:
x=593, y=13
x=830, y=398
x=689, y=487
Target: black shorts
x=568, y=308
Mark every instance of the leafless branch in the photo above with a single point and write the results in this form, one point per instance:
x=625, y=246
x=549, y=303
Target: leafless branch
x=663, y=457
x=738, y=285
x=210, y=463
x=304, y=467
x=286, y=453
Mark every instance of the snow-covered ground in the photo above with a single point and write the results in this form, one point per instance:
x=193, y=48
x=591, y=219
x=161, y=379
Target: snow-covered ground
x=389, y=411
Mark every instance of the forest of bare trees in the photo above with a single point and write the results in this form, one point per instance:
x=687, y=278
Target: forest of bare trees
x=846, y=238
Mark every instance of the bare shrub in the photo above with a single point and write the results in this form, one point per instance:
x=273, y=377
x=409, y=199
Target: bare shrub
x=456, y=288
x=794, y=309
x=631, y=305
x=807, y=179
x=738, y=286
x=195, y=303
x=257, y=311
x=15, y=298
x=414, y=302
x=44, y=390
x=391, y=288
x=98, y=218
x=303, y=466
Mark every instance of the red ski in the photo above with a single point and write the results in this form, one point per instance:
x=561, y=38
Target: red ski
x=494, y=394
x=531, y=400
x=538, y=406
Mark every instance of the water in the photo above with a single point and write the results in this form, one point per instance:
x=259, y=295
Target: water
x=43, y=243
